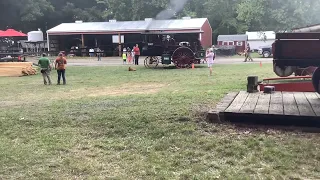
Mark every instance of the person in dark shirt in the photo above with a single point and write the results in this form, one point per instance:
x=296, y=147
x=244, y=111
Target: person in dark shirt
x=248, y=53
x=60, y=65
x=45, y=66
x=99, y=54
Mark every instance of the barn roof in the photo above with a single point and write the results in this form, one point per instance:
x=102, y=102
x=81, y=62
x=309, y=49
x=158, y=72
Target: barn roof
x=236, y=37
x=128, y=26
x=271, y=35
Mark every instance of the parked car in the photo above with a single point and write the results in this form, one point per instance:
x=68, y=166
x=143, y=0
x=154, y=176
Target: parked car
x=265, y=51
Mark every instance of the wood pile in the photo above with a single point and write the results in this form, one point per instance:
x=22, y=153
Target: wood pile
x=131, y=69
x=16, y=69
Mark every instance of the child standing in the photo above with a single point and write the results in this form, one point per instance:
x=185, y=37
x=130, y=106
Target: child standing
x=129, y=55
x=132, y=54
x=210, y=58
x=124, y=56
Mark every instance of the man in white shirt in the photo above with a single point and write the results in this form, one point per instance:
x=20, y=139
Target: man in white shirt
x=91, y=52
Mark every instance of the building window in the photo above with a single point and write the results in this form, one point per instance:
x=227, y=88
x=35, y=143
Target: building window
x=228, y=43
x=239, y=43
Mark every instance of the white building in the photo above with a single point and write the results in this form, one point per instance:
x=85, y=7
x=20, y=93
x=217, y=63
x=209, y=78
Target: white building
x=260, y=38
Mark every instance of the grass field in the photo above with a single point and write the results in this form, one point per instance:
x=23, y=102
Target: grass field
x=109, y=123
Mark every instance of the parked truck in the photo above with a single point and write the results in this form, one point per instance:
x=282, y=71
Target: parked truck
x=265, y=51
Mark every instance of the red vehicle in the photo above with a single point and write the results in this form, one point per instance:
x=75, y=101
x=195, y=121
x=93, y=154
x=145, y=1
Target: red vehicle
x=12, y=57
x=299, y=54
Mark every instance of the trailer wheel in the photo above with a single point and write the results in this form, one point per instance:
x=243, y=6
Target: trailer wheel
x=283, y=72
x=316, y=80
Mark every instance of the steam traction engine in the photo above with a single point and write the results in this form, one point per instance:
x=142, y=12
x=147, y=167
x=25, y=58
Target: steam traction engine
x=172, y=49
x=298, y=53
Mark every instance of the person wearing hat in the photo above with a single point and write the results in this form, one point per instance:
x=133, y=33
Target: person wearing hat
x=45, y=67
x=60, y=65
x=210, y=58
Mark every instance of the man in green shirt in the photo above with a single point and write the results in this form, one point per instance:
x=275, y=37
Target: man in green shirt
x=45, y=66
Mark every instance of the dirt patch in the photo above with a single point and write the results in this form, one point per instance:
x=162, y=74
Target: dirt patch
x=10, y=103
x=123, y=90
x=127, y=90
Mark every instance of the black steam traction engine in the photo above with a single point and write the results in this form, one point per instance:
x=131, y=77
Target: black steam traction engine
x=172, y=49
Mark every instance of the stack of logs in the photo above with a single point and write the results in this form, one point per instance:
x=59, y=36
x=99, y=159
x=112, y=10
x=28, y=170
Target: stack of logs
x=16, y=69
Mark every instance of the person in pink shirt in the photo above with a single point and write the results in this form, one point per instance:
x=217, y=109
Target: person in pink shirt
x=210, y=58
x=136, y=54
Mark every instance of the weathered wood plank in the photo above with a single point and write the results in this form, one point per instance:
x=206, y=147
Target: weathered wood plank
x=214, y=114
x=304, y=106
x=290, y=106
x=276, y=103
x=238, y=102
x=263, y=104
x=314, y=101
x=250, y=103
x=225, y=104
x=226, y=101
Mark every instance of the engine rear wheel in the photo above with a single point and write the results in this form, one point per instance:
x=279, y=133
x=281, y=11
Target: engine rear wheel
x=316, y=80
x=183, y=57
x=305, y=71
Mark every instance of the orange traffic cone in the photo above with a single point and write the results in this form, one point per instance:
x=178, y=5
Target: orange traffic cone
x=260, y=64
x=192, y=65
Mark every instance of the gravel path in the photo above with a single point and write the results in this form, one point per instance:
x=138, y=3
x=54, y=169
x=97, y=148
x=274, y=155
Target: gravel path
x=116, y=61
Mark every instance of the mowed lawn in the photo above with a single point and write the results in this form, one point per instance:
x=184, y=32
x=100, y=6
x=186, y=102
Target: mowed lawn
x=109, y=123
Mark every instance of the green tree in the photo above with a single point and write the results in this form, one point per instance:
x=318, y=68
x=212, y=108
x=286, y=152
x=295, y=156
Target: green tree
x=225, y=16
x=275, y=15
x=222, y=15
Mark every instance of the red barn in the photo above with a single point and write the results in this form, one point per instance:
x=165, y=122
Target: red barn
x=238, y=42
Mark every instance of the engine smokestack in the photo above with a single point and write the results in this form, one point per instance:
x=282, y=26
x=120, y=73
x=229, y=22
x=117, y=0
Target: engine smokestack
x=175, y=7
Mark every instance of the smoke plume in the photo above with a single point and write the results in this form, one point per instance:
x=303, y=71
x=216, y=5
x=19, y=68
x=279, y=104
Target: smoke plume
x=175, y=7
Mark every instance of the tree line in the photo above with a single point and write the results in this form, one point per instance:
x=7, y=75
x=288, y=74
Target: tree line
x=225, y=16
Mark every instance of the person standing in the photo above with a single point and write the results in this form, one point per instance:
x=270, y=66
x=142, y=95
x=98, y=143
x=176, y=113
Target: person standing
x=136, y=54
x=129, y=55
x=45, y=66
x=99, y=54
x=124, y=56
x=60, y=65
x=210, y=58
x=91, y=52
x=132, y=55
x=248, y=53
